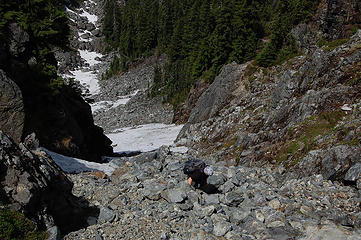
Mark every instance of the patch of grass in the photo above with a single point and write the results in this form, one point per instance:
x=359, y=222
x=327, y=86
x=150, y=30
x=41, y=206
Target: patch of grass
x=250, y=70
x=354, y=73
x=302, y=138
x=229, y=143
x=329, y=46
x=287, y=53
x=354, y=29
x=14, y=226
x=246, y=86
x=322, y=42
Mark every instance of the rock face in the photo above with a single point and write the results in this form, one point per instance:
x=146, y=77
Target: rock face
x=35, y=185
x=333, y=163
x=218, y=95
x=149, y=198
x=11, y=108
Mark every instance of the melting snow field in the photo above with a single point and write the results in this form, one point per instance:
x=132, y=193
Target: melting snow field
x=144, y=137
x=90, y=57
x=75, y=165
x=87, y=79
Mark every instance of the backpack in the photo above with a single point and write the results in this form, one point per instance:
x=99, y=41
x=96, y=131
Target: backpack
x=193, y=165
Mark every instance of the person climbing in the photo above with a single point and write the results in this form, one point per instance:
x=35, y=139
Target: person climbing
x=198, y=172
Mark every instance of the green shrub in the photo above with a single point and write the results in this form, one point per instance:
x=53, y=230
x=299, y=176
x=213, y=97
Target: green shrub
x=14, y=226
x=302, y=138
x=329, y=46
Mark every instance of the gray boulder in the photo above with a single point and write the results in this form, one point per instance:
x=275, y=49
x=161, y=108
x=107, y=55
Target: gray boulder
x=12, y=113
x=216, y=180
x=96, y=32
x=153, y=189
x=354, y=173
x=333, y=163
x=221, y=227
x=106, y=215
x=176, y=195
x=234, y=198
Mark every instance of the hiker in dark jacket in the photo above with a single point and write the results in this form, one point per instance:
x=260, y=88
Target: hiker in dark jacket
x=197, y=172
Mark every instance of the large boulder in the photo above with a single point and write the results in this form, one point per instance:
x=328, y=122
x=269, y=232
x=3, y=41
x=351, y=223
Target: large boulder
x=11, y=108
x=218, y=95
x=32, y=183
x=332, y=163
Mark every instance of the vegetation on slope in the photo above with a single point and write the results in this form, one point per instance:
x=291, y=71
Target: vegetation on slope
x=14, y=226
x=46, y=23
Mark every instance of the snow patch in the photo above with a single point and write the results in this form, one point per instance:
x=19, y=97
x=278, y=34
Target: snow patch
x=87, y=79
x=92, y=2
x=107, y=105
x=180, y=149
x=69, y=10
x=144, y=138
x=346, y=107
x=90, y=57
x=75, y=165
x=91, y=17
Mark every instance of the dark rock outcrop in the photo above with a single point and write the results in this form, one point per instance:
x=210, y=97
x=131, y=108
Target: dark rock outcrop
x=18, y=39
x=34, y=184
x=11, y=108
x=332, y=163
x=65, y=125
x=59, y=116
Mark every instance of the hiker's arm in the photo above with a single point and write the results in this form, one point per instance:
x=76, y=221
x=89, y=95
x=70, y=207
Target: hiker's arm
x=189, y=181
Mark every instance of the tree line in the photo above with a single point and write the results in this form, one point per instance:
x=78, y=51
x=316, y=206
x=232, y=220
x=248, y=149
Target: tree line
x=200, y=36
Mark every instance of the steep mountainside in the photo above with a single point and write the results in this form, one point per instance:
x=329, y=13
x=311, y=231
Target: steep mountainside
x=273, y=93
x=303, y=114
x=284, y=137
